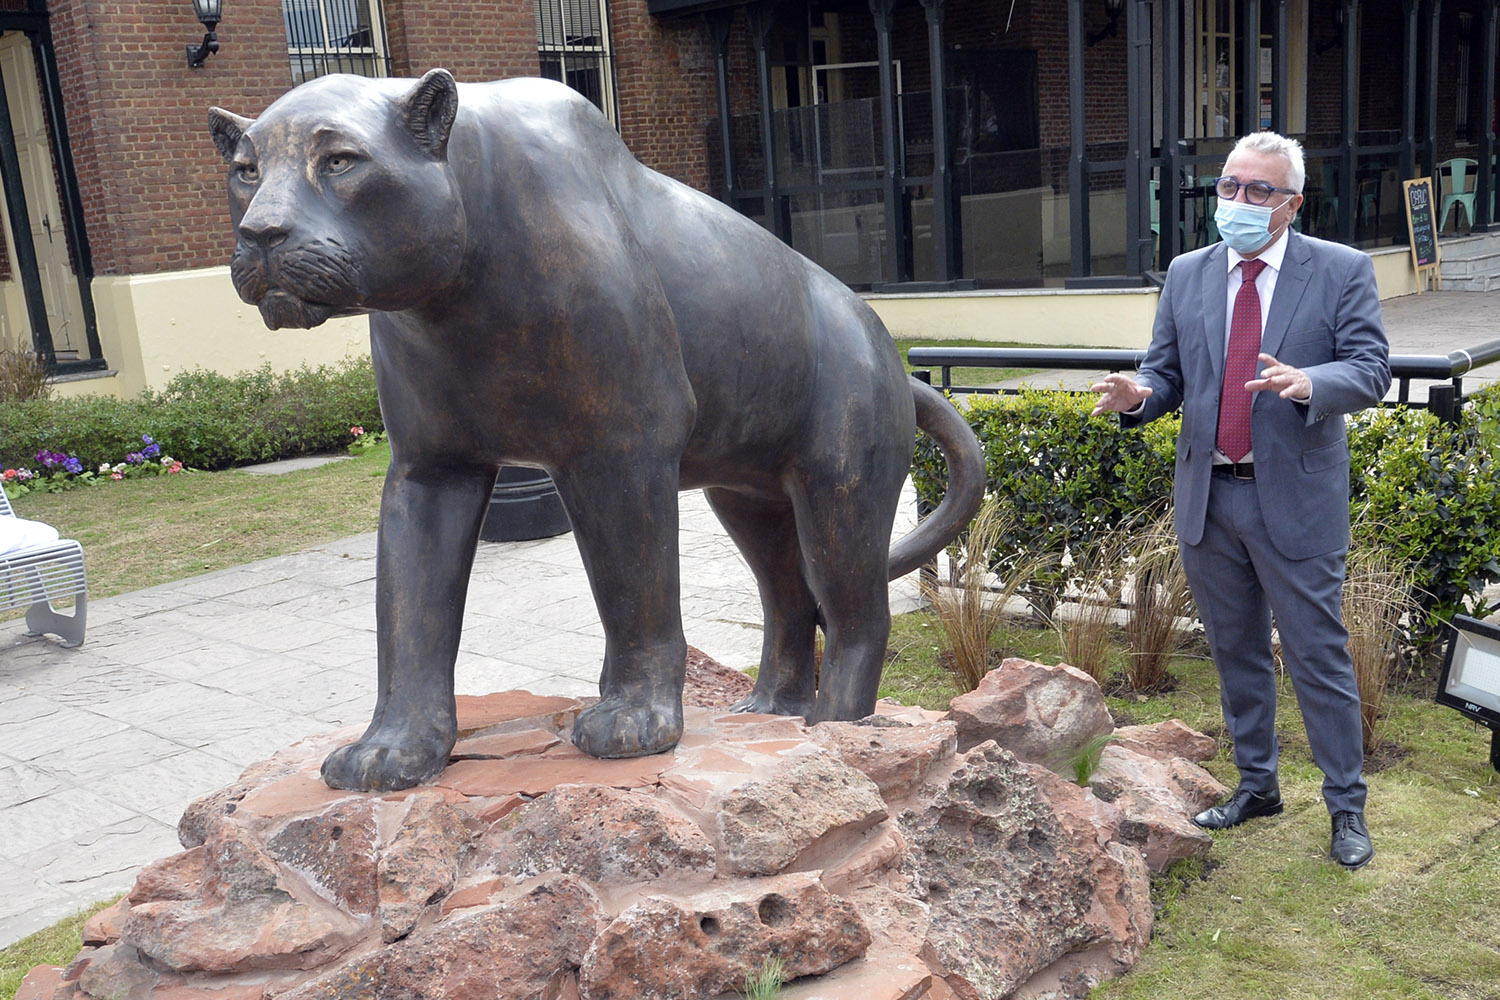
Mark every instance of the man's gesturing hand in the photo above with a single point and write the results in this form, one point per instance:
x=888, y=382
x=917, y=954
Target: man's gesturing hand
x=1290, y=383
x=1119, y=394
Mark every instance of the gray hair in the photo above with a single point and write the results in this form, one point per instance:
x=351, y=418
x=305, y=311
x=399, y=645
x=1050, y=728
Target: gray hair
x=1279, y=145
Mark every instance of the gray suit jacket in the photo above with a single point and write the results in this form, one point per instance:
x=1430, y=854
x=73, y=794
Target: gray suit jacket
x=1324, y=319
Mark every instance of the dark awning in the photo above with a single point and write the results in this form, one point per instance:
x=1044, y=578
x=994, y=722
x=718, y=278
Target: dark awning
x=682, y=8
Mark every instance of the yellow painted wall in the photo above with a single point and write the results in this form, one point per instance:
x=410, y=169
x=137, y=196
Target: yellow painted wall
x=153, y=327
x=1062, y=318
x=1045, y=317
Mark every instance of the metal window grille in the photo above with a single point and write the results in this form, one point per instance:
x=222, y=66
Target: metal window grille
x=573, y=46
x=335, y=36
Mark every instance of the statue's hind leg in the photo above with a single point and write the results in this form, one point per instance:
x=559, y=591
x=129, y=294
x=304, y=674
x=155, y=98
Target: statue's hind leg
x=766, y=533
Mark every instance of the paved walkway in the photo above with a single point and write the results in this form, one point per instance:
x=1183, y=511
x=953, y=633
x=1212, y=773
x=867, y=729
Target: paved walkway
x=178, y=688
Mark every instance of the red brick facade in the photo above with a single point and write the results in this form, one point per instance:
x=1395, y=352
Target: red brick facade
x=151, y=182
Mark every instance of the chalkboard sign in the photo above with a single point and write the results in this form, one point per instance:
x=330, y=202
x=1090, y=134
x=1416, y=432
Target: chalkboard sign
x=1421, y=230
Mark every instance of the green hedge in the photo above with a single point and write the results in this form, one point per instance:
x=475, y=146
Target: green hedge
x=1429, y=492
x=202, y=419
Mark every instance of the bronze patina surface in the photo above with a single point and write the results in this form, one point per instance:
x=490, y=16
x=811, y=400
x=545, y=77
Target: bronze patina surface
x=539, y=297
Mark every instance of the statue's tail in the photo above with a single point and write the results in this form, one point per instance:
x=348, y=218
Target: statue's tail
x=966, y=480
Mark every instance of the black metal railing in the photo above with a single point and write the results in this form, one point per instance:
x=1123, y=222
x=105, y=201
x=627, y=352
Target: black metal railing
x=1443, y=400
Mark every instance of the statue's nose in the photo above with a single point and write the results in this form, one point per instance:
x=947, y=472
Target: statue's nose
x=263, y=233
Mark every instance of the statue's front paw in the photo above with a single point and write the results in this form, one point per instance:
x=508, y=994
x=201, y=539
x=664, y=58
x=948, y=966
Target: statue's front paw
x=618, y=728
x=764, y=703
x=382, y=762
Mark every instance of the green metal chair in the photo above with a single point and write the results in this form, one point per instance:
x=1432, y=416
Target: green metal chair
x=1456, y=179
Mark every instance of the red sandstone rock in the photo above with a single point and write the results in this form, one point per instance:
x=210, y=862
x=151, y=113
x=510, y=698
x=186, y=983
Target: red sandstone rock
x=1039, y=713
x=522, y=946
x=177, y=877
x=702, y=945
x=533, y=776
x=192, y=827
x=896, y=758
x=115, y=973
x=710, y=684
x=1007, y=894
x=489, y=711
x=40, y=983
x=104, y=926
x=759, y=835
x=1156, y=799
x=420, y=864
x=1166, y=740
x=497, y=746
x=336, y=850
x=250, y=916
x=606, y=836
x=996, y=873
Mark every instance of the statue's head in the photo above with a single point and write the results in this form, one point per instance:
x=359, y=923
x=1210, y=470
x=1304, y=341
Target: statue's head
x=343, y=199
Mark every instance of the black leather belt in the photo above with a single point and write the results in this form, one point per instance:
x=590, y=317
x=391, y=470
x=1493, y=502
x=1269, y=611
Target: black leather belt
x=1236, y=470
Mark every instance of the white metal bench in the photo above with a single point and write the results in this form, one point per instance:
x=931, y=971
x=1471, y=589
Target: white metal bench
x=34, y=577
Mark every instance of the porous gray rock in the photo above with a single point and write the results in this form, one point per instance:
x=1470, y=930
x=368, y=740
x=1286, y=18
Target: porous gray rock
x=1008, y=896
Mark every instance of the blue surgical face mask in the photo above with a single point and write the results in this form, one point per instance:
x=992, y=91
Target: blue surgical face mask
x=1244, y=226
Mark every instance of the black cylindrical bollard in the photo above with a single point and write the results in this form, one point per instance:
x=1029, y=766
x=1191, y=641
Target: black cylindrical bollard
x=523, y=506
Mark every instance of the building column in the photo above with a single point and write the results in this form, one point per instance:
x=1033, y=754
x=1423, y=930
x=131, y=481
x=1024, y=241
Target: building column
x=946, y=247
x=1434, y=36
x=1138, y=136
x=1250, y=60
x=1078, y=172
x=1485, y=186
x=760, y=29
x=1410, y=11
x=1348, y=122
x=718, y=23
x=1281, y=83
x=898, y=255
x=1170, y=238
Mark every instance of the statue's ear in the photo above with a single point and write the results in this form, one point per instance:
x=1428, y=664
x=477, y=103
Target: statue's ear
x=429, y=109
x=226, y=127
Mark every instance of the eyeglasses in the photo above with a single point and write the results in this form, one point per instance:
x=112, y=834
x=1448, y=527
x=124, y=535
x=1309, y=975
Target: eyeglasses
x=1256, y=192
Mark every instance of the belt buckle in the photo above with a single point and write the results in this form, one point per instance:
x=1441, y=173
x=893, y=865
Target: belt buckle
x=1234, y=470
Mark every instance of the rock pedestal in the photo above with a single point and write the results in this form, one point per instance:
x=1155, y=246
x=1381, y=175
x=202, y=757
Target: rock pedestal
x=875, y=860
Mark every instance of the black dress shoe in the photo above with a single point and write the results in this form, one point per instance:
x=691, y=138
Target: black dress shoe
x=1351, y=841
x=1242, y=805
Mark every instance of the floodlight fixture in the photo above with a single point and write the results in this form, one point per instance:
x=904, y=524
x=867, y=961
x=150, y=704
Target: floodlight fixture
x=1470, y=681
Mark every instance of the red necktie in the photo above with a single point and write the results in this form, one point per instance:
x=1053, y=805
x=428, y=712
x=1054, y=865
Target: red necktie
x=1240, y=364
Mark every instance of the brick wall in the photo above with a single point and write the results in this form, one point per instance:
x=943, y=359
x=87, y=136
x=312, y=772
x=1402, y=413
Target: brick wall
x=475, y=42
x=664, y=79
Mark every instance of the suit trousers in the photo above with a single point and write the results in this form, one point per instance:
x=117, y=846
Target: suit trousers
x=1239, y=581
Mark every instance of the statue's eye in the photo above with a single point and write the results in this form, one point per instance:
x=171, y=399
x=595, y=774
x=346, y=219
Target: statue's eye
x=337, y=163
x=247, y=172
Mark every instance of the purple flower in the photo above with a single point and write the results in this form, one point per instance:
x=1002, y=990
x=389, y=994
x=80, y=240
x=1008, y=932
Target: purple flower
x=147, y=439
x=135, y=458
x=73, y=465
x=152, y=449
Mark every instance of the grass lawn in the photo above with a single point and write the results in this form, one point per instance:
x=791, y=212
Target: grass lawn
x=1266, y=916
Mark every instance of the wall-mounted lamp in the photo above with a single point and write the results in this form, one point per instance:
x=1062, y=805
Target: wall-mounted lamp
x=1111, y=30
x=208, y=12
x=1470, y=681
x=1337, y=41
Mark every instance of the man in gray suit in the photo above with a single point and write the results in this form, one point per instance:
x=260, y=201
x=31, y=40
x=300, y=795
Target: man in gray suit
x=1266, y=340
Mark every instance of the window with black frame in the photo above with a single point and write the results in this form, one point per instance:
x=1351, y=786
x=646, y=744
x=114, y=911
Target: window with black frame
x=574, y=48
x=334, y=36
